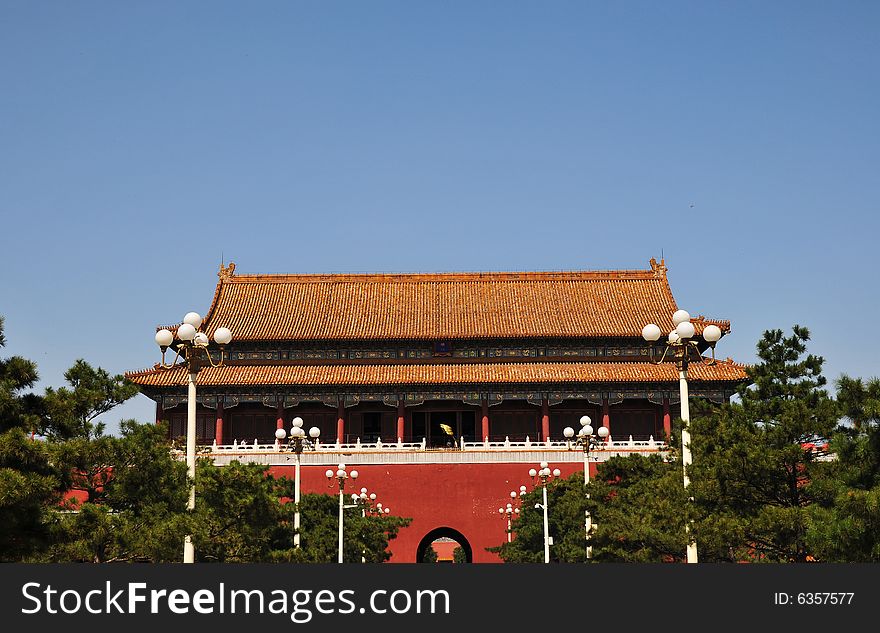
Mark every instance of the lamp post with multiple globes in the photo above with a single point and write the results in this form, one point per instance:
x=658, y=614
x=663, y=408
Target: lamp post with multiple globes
x=298, y=442
x=588, y=441
x=369, y=506
x=193, y=346
x=544, y=474
x=509, y=511
x=683, y=348
x=341, y=475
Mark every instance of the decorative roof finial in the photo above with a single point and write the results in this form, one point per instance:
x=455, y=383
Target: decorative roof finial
x=226, y=272
x=658, y=269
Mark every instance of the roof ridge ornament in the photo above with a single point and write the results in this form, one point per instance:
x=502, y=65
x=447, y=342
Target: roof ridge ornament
x=226, y=272
x=658, y=269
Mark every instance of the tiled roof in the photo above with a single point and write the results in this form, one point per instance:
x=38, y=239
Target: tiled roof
x=441, y=374
x=443, y=305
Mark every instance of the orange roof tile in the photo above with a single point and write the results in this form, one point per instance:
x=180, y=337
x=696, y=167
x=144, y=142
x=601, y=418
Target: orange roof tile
x=441, y=374
x=443, y=305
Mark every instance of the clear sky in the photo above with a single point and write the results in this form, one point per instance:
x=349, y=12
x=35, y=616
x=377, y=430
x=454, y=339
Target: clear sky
x=140, y=142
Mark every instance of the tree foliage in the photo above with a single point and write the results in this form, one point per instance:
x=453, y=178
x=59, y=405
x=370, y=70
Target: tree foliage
x=846, y=521
x=70, y=412
x=245, y=514
x=82, y=495
x=754, y=465
x=430, y=555
x=459, y=555
x=364, y=538
x=29, y=483
x=131, y=496
x=29, y=488
x=859, y=401
x=18, y=409
x=639, y=509
x=239, y=514
x=566, y=503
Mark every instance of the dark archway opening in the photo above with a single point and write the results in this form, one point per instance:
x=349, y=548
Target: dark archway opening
x=444, y=535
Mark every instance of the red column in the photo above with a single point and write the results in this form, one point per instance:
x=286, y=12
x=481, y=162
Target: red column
x=160, y=412
x=667, y=418
x=485, y=418
x=218, y=429
x=340, y=423
x=545, y=420
x=606, y=416
x=401, y=420
x=279, y=423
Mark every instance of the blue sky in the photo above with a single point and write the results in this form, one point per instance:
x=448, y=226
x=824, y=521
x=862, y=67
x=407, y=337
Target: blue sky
x=140, y=142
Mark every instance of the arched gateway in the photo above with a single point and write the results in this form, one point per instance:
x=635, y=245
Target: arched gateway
x=443, y=389
x=442, y=532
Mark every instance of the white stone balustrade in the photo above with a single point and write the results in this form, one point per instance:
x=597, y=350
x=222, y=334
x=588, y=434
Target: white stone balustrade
x=358, y=446
x=479, y=451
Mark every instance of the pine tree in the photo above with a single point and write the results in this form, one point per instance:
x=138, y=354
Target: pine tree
x=130, y=503
x=639, y=507
x=845, y=524
x=430, y=555
x=70, y=412
x=459, y=555
x=754, y=461
x=28, y=480
x=245, y=514
x=19, y=409
x=859, y=401
x=638, y=510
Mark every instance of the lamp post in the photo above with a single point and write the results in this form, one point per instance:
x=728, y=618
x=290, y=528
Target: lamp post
x=544, y=473
x=297, y=444
x=341, y=475
x=508, y=512
x=193, y=346
x=369, y=506
x=682, y=348
x=588, y=441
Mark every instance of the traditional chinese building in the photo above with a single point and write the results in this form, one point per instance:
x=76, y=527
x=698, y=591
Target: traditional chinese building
x=460, y=379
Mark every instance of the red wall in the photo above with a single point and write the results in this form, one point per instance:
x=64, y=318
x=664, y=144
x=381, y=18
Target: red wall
x=464, y=497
